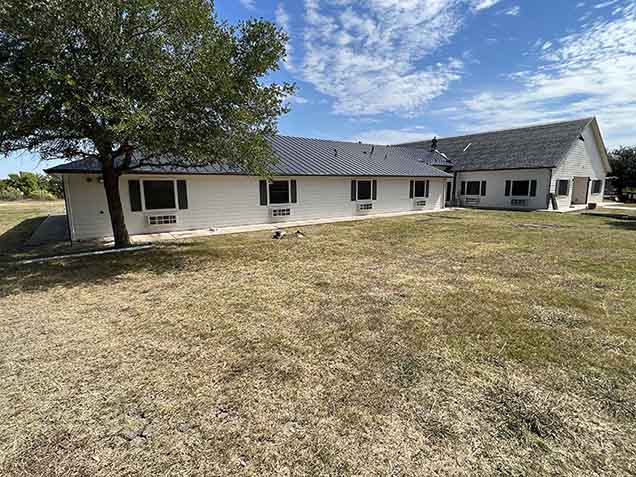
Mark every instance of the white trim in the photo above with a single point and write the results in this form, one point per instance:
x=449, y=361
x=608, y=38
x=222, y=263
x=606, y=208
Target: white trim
x=142, y=190
x=287, y=204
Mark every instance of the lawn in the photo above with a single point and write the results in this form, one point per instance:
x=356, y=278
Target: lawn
x=456, y=343
x=18, y=220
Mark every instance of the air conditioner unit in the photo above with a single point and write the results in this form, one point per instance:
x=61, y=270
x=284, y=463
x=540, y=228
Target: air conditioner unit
x=365, y=207
x=519, y=202
x=280, y=212
x=471, y=201
x=420, y=204
x=156, y=220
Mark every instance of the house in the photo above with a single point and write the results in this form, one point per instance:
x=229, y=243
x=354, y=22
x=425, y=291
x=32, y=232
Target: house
x=313, y=179
x=552, y=166
x=549, y=166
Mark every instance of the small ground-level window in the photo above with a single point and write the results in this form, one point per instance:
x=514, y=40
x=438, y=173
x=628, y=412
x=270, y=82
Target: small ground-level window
x=563, y=187
x=473, y=187
x=159, y=194
x=597, y=186
x=279, y=192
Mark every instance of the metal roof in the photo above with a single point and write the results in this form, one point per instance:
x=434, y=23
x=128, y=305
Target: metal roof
x=532, y=147
x=299, y=156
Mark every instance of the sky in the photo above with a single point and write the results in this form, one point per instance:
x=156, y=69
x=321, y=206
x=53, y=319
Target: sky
x=392, y=71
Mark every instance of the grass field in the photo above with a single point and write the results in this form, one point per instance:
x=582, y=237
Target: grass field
x=18, y=220
x=457, y=343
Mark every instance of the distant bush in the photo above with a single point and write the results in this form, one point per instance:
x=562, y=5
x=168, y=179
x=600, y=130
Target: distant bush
x=10, y=193
x=41, y=195
x=32, y=185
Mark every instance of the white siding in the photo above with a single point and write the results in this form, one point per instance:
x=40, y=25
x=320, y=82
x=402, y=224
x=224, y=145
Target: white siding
x=583, y=160
x=216, y=201
x=496, y=188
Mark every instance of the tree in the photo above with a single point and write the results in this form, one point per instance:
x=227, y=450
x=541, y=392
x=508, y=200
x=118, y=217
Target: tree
x=131, y=83
x=623, y=162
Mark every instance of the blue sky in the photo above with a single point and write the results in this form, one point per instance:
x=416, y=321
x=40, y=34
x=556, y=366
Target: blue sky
x=388, y=71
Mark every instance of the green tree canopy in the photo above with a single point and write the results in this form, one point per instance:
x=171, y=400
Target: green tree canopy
x=623, y=162
x=140, y=80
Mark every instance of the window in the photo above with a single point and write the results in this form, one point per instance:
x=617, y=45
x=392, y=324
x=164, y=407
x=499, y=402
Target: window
x=597, y=186
x=364, y=190
x=473, y=188
x=159, y=195
x=420, y=188
x=563, y=187
x=520, y=188
x=279, y=192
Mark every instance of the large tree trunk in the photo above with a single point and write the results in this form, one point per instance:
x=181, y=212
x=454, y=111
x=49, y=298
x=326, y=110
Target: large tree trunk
x=111, y=185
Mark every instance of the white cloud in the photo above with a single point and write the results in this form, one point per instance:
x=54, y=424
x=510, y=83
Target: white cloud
x=484, y=4
x=249, y=4
x=283, y=21
x=392, y=136
x=513, y=12
x=584, y=74
x=296, y=99
x=373, y=56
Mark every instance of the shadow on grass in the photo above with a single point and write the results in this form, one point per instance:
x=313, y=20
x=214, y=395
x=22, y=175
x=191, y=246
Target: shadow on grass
x=623, y=224
x=93, y=270
x=14, y=238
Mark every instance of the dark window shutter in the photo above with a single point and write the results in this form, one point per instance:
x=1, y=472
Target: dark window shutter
x=508, y=185
x=463, y=191
x=353, y=191
x=182, y=194
x=533, y=188
x=262, y=186
x=428, y=186
x=134, y=190
x=294, y=194
x=483, y=188
x=375, y=190
x=411, y=190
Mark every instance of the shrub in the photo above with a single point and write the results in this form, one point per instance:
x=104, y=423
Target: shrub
x=41, y=195
x=10, y=193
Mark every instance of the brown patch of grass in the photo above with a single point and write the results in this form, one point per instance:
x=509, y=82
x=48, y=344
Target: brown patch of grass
x=461, y=345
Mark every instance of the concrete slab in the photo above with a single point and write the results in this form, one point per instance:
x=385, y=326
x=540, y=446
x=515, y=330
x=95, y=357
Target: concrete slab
x=53, y=229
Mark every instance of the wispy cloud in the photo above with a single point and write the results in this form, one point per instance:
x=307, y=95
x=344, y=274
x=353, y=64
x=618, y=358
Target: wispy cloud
x=583, y=74
x=249, y=4
x=375, y=56
x=392, y=136
x=513, y=11
x=283, y=20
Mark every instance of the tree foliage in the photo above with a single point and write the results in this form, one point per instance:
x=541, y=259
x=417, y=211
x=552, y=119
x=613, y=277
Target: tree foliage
x=32, y=186
x=623, y=162
x=149, y=81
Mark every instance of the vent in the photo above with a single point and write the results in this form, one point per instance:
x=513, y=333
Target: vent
x=280, y=212
x=471, y=200
x=365, y=207
x=519, y=202
x=420, y=204
x=155, y=220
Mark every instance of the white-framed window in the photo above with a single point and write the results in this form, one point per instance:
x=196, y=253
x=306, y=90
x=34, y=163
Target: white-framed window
x=473, y=188
x=148, y=195
x=278, y=192
x=597, y=186
x=364, y=189
x=521, y=188
x=563, y=187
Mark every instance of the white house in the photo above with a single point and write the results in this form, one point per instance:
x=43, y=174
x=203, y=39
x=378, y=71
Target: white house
x=539, y=167
x=312, y=179
x=547, y=166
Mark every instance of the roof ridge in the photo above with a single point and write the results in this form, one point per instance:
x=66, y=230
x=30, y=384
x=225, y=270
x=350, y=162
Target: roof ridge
x=492, y=131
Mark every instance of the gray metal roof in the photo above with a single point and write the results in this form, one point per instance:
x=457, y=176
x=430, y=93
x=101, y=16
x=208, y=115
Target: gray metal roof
x=532, y=147
x=309, y=157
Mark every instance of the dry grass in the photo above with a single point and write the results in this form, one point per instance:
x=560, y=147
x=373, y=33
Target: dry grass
x=463, y=343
